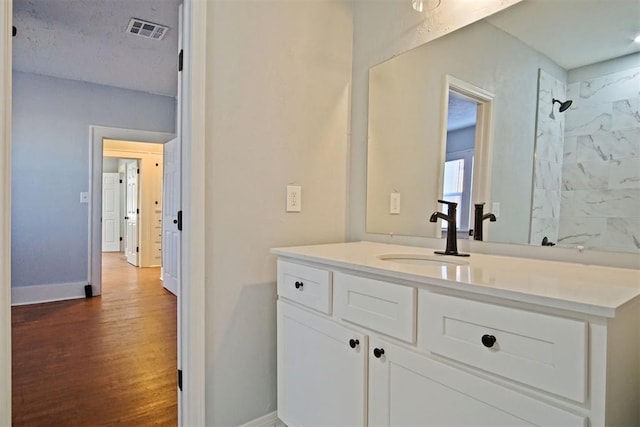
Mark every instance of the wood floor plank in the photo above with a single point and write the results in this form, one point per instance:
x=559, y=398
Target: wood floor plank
x=106, y=360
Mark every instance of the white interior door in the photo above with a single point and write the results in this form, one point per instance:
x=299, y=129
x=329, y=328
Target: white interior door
x=171, y=206
x=132, y=248
x=110, y=212
x=122, y=172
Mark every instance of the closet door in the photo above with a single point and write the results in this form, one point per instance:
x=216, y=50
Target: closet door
x=110, y=212
x=132, y=250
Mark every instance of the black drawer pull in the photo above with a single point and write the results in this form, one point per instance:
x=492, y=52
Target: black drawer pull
x=354, y=343
x=299, y=285
x=488, y=340
x=378, y=352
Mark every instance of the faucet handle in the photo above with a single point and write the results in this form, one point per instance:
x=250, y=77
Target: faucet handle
x=444, y=202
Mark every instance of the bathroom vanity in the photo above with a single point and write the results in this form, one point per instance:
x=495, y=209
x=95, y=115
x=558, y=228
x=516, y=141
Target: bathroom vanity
x=378, y=334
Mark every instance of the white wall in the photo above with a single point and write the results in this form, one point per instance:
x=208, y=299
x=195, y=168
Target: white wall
x=277, y=112
x=50, y=160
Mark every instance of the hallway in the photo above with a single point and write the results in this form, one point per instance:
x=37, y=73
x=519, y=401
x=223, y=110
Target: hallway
x=101, y=361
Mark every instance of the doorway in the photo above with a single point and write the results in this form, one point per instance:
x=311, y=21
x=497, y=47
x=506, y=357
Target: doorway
x=192, y=343
x=138, y=167
x=142, y=232
x=460, y=149
x=467, y=140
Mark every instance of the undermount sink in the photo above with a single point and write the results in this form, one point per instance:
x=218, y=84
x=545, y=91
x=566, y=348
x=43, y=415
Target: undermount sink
x=422, y=259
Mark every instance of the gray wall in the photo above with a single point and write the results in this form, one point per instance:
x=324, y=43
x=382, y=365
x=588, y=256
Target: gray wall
x=50, y=161
x=277, y=110
x=461, y=139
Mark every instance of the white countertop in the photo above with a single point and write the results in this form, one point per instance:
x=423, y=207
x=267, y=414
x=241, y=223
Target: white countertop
x=587, y=289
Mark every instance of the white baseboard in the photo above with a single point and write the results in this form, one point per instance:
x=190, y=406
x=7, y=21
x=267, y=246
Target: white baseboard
x=269, y=420
x=35, y=294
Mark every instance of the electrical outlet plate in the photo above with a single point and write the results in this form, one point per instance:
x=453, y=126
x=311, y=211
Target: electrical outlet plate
x=294, y=198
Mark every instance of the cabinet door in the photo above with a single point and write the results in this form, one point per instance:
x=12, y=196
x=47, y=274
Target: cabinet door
x=322, y=370
x=410, y=389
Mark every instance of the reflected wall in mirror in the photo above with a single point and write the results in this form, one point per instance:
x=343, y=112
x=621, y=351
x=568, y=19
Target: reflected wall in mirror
x=586, y=188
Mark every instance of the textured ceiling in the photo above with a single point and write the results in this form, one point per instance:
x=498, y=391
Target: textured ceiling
x=85, y=40
x=461, y=113
x=574, y=33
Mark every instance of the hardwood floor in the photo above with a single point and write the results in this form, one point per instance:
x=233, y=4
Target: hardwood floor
x=106, y=360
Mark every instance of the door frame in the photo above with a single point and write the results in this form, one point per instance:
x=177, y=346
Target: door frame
x=6, y=14
x=97, y=134
x=191, y=400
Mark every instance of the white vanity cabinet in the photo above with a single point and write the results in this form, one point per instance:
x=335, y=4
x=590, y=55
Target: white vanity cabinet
x=385, y=348
x=407, y=388
x=321, y=370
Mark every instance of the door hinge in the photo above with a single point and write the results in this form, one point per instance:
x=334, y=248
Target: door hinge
x=137, y=248
x=180, y=379
x=137, y=211
x=180, y=60
x=121, y=239
x=179, y=220
x=138, y=171
x=120, y=181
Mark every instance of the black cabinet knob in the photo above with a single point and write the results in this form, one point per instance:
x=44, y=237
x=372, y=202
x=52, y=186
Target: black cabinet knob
x=175, y=221
x=488, y=340
x=354, y=343
x=378, y=352
x=299, y=285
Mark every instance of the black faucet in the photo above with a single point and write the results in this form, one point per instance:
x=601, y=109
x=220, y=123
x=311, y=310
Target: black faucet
x=547, y=242
x=450, y=217
x=479, y=218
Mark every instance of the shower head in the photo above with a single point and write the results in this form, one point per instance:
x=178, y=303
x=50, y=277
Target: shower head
x=563, y=105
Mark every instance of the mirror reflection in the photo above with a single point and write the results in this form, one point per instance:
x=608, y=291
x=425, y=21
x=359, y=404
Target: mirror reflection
x=567, y=173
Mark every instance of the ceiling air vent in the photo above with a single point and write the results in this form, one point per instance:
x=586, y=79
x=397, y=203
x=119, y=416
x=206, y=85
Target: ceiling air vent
x=146, y=29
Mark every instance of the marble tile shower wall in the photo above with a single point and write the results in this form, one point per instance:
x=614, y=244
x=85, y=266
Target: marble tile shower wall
x=600, y=198
x=545, y=210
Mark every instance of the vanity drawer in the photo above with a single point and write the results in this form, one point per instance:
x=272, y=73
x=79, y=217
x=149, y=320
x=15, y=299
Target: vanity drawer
x=540, y=350
x=306, y=285
x=378, y=305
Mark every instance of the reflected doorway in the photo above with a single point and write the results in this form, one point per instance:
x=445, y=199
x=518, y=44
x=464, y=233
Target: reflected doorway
x=467, y=140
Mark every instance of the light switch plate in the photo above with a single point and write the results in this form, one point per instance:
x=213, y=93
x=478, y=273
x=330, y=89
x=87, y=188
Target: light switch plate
x=394, y=203
x=84, y=197
x=294, y=198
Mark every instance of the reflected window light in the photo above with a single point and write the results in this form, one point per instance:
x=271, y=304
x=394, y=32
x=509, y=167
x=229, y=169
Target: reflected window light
x=453, y=184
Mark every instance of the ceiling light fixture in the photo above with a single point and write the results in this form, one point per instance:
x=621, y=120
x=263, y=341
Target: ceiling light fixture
x=425, y=5
x=637, y=39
